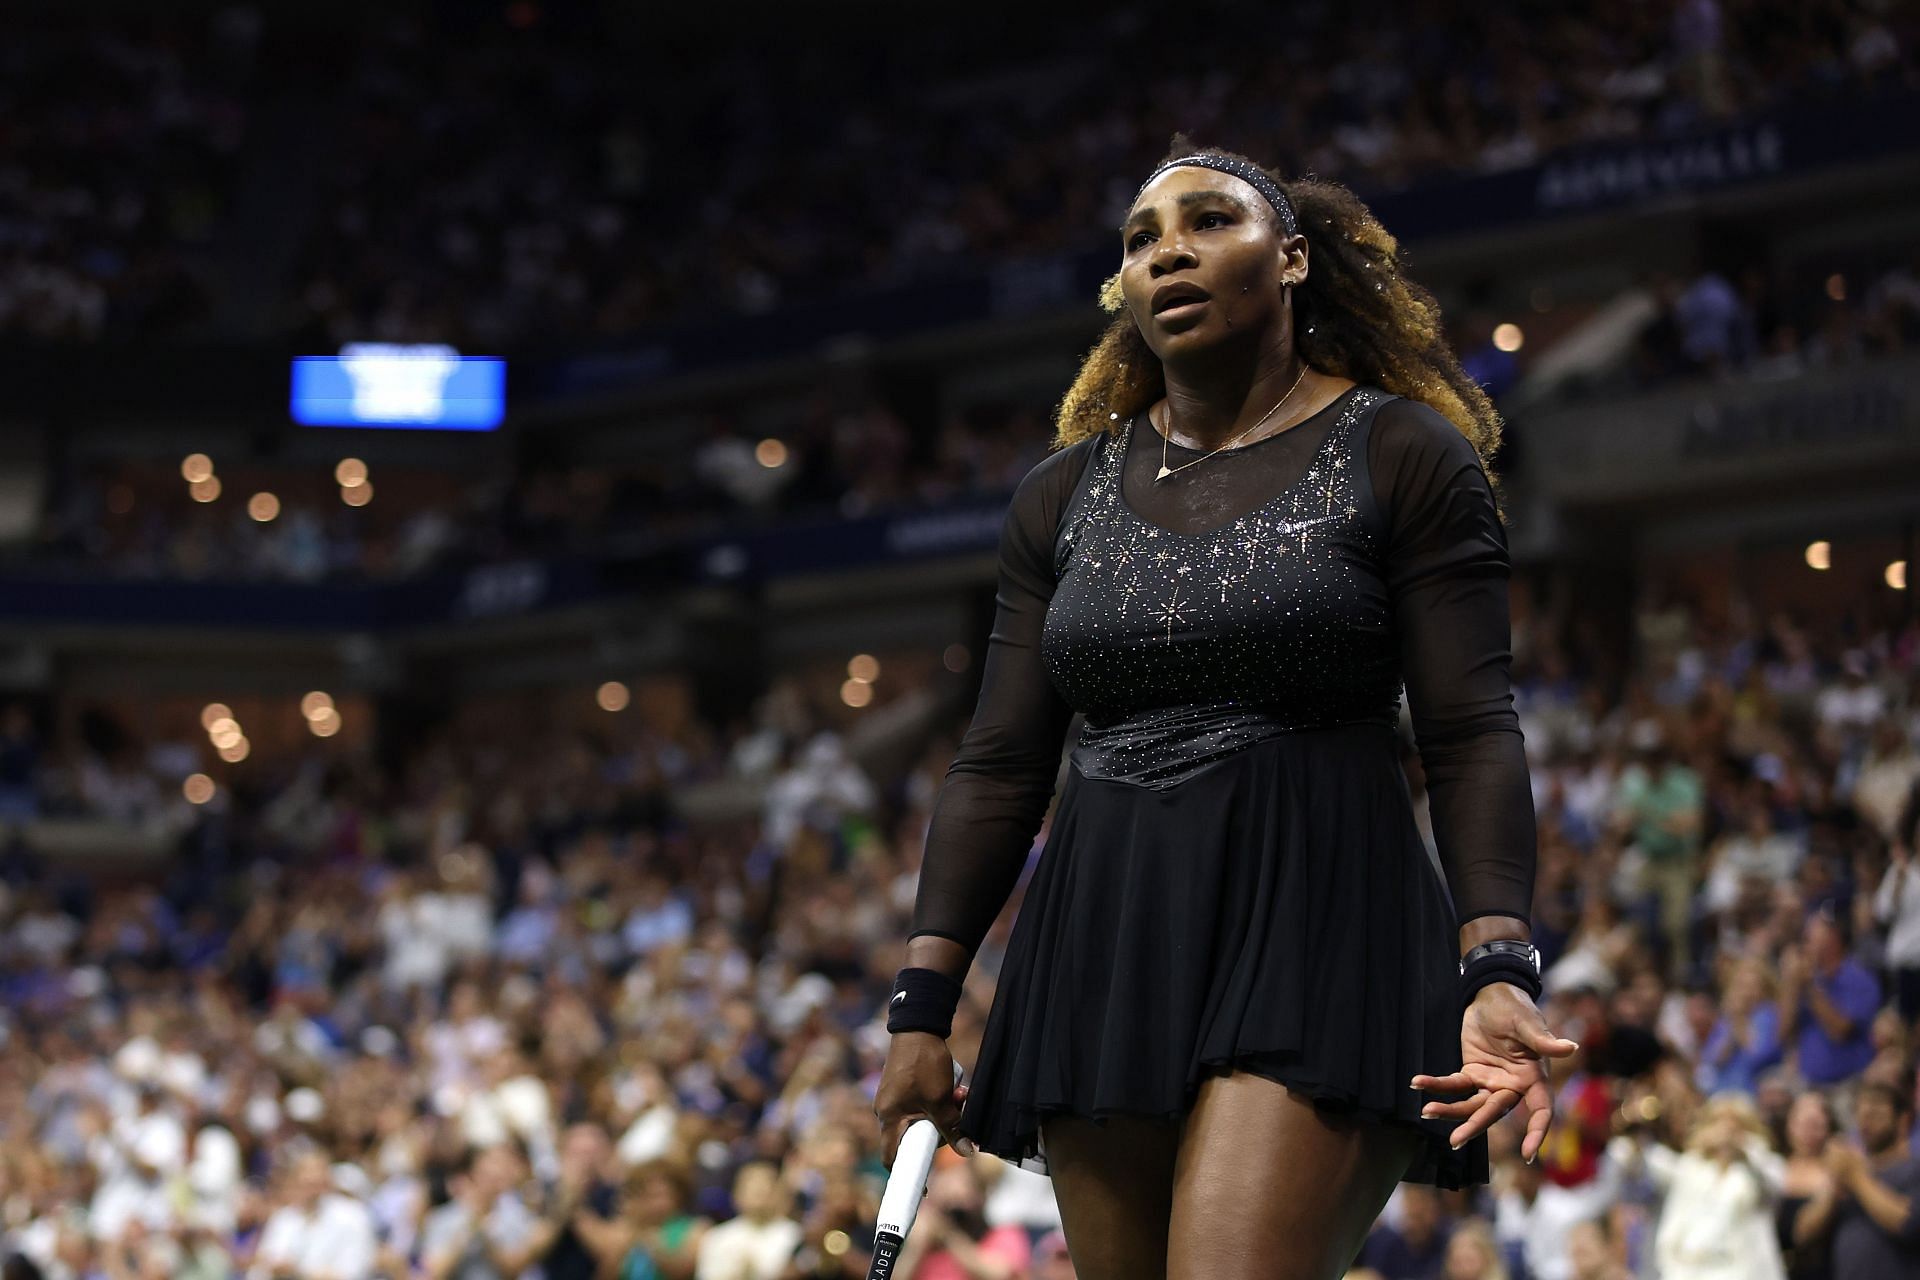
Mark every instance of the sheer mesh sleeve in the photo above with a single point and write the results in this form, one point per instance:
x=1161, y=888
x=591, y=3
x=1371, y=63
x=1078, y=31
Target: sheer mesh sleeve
x=1447, y=571
x=1001, y=781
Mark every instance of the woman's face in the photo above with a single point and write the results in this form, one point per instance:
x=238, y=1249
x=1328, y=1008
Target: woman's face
x=1202, y=259
x=1467, y=1258
x=1807, y=1127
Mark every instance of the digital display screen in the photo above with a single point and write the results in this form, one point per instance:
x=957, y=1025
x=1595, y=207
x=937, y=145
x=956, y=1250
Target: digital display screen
x=379, y=384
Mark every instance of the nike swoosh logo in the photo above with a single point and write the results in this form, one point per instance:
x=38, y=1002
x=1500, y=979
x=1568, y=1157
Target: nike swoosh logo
x=898, y=996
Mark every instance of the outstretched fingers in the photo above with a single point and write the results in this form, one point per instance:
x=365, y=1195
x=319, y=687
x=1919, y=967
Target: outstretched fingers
x=1455, y=1083
x=1539, y=1116
x=1492, y=1106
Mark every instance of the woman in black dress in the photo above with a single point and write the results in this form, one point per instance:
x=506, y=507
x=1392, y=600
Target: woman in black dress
x=1235, y=964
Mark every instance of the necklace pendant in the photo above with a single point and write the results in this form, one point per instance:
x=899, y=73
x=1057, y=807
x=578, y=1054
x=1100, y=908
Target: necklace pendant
x=1164, y=473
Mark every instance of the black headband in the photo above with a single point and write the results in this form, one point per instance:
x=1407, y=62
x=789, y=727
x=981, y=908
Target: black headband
x=1250, y=174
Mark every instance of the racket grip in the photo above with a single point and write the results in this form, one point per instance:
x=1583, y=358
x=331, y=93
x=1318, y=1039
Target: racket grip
x=900, y=1202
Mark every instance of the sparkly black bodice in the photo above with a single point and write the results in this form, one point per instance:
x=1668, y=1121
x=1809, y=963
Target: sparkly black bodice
x=1289, y=584
x=1185, y=647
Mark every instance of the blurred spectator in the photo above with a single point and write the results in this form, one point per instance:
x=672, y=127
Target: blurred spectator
x=1660, y=803
x=951, y=1239
x=1414, y=1245
x=1717, y=1219
x=1809, y=1127
x=1745, y=1040
x=759, y=1242
x=1827, y=1003
x=1896, y=908
x=485, y=1231
x=1473, y=1254
x=1051, y=1261
x=316, y=1231
x=1872, y=1210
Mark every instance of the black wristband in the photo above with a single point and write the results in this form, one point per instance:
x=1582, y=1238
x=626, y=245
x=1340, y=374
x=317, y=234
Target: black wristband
x=1486, y=970
x=923, y=1000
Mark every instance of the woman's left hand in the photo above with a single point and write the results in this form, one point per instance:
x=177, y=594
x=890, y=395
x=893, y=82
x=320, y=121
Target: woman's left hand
x=1505, y=1048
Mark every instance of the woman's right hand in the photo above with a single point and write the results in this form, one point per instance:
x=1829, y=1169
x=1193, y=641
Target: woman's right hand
x=918, y=1082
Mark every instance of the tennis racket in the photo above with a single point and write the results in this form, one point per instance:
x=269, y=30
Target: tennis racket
x=906, y=1185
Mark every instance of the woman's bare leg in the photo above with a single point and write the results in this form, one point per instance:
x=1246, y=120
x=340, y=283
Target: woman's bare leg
x=1114, y=1182
x=1268, y=1186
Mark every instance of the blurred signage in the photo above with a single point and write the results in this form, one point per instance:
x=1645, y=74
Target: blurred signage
x=379, y=384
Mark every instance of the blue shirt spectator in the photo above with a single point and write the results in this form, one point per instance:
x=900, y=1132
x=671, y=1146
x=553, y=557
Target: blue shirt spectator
x=1827, y=1001
x=1746, y=1039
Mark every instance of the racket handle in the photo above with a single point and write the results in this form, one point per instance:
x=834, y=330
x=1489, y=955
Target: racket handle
x=907, y=1183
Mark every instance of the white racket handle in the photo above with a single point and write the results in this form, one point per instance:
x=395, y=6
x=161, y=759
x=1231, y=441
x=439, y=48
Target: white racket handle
x=900, y=1203
x=907, y=1183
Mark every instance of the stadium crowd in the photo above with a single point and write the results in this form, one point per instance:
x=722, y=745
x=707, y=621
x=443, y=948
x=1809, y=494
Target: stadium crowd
x=845, y=451
x=520, y=236
x=120, y=147
x=499, y=175
x=502, y=1011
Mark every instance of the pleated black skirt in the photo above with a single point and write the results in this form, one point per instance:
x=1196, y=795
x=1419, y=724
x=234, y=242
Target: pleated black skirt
x=1276, y=913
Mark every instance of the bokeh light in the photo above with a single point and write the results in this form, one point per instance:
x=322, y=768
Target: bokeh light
x=771, y=453
x=357, y=496
x=196, y=467
x=613, y=696
x=350, y=473
x=198, y=788
x=856, y=693
x=205, y=490
x=263, y=507
x=865, y=668
x=1820, y=555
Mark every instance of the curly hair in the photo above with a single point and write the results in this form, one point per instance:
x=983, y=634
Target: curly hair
x=1356, y=315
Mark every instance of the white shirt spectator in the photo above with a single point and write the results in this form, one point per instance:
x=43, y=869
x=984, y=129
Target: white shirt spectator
x=1540, y=1226
x=745, y=1250
x=334, y=1240
x=1716, y=1222
x=1896, y=905
x=450, y=1230
x=1772, y=857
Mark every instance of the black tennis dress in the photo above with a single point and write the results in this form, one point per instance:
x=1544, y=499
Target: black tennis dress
x=1234, y=878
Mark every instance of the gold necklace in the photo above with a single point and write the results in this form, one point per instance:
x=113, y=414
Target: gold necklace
x=1166, y=471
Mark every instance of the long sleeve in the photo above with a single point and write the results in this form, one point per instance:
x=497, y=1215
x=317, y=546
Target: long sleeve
x=1447, y=574
x=997, y=790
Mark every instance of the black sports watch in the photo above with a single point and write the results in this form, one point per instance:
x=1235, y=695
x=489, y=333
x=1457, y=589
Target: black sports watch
x=1503, y=947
